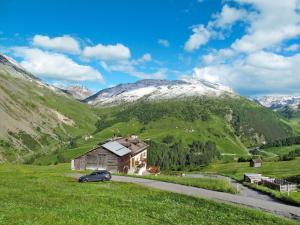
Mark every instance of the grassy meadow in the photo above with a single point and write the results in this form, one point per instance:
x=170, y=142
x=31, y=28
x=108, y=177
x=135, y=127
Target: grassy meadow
x=206, y=183
x=45, y=195
x=278, y=169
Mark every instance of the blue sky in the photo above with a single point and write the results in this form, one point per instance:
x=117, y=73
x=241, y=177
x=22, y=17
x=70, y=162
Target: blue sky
x=250, y=45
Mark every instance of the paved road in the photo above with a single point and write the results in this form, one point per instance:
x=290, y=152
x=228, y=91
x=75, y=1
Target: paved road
x=243, y=190
x=268, y=205
x=274, y=207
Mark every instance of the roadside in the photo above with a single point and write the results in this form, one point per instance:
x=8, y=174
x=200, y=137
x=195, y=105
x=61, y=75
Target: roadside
x=272, y=206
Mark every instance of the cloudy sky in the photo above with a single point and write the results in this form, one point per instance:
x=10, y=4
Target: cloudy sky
x=250, y=45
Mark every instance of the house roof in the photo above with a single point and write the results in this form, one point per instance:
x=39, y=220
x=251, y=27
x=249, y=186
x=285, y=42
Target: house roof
x=253, y=175
x=121, y=146
x=116, y=147
x=135, y=145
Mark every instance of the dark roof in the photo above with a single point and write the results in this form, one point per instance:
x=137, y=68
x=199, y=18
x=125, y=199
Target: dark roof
x=134, y=144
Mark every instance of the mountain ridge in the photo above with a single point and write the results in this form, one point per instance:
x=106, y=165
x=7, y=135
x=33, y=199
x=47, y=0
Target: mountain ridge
x=152, y=89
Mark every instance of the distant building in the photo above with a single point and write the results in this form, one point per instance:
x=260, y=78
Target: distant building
x=255, y=162
x=252, y=177
x=273, y=183
x=125, y=155
x=279, y=184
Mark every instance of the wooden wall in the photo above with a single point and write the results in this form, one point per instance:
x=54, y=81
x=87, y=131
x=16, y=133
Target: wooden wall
x=102, y=159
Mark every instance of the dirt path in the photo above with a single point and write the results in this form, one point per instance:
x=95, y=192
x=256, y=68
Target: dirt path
x=267, y=205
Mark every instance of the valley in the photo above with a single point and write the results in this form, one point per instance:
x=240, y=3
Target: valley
x=206, y=131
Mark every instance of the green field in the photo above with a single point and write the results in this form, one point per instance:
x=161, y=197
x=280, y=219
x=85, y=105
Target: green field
x=37, y=195
x=278, y=169
x=282, y=150
x=207, y=183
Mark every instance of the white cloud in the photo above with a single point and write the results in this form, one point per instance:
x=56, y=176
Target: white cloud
x=199, y=37
x=273, y=23
x=129, y=68
x=206, y=73
x=108, y=52
x=64, y=43
x=255, y=63
x=215, y=28
x=163, y=42
x=55, y=66
x=259, y=72
x=292, y=48
x=228, y=16
x=146, y=57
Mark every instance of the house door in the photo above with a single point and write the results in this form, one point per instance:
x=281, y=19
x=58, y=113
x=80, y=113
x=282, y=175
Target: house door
x=102, y=161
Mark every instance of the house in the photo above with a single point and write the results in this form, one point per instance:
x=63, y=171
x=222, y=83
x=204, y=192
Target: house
x=255, y=162
x=118, y=155
x=252, y=177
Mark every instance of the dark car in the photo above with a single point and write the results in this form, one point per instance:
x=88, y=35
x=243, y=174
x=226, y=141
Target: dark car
x=99, y=175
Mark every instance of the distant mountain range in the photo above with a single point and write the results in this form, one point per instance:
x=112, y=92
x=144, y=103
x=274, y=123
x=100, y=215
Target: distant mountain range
x=78, y=92
x=276, y=102
x=157, y=90
x=38, y=120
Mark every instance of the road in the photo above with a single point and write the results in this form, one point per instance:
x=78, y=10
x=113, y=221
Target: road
x=243, y=190
x=252, y=200
x=267, y=204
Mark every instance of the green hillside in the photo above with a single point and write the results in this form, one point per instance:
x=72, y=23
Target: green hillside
x=36, y=120
x=40, y=125
x=230, y=123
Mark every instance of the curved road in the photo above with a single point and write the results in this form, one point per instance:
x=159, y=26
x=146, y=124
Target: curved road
x=266, y=204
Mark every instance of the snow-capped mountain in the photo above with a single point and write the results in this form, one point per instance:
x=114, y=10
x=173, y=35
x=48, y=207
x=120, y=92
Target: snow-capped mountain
x=78, y=92
x=10, y=66
x=155, y=90
x=275, y=102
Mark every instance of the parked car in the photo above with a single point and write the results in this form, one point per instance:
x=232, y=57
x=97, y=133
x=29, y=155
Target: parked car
x=98, y=175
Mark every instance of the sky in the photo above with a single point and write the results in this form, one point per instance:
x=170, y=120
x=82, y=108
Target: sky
x=252, y=46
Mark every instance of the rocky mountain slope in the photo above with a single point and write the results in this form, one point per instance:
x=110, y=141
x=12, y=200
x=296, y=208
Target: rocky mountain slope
x=36, y=117
x=78, y=92
x=157, y=90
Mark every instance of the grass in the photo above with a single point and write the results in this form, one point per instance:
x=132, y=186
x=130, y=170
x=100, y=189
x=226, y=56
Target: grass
x=282, y=150
x=43, y=195
x=292, y=198
x=278, y=169
x=206, y=183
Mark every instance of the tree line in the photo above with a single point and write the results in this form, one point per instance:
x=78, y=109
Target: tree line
x=283, y=142
x=176, y=156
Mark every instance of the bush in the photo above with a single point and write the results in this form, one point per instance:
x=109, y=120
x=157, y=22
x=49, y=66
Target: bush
x=244, y=159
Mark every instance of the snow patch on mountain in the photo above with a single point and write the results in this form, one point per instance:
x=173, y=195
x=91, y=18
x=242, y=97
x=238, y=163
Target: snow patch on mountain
x=78, y=92
x=275, y=102
x=13, y=68
x=157, y=89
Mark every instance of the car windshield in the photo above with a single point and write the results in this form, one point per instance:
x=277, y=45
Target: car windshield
x=93, y=173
